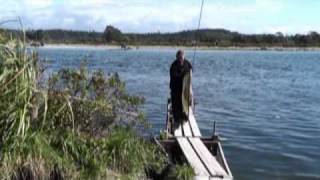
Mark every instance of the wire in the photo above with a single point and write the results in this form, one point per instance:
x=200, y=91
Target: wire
x=194, y=52
x=195, y=37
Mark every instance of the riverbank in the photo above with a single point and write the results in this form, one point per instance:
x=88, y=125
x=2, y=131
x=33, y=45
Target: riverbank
x=231, y=48
x=73, y=125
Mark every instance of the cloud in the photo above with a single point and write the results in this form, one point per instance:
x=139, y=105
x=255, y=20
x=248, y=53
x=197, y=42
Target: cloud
x=37, y=4
x=249, y=16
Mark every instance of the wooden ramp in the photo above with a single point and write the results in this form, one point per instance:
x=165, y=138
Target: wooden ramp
x=188, y=128
x=197, y=154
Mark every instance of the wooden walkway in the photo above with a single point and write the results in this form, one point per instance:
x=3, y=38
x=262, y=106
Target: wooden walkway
x=189, y=128
x=197, y=154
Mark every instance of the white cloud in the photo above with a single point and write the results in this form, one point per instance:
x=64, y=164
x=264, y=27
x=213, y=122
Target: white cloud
x=37, y=4
x=253, y=16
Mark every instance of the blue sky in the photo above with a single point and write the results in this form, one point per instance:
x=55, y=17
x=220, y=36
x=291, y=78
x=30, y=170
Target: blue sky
x=246, y=16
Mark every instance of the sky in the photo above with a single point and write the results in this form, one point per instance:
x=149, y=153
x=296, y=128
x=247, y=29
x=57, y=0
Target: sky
x=139, y=16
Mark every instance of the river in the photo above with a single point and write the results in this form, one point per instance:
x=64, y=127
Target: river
x=266, y=104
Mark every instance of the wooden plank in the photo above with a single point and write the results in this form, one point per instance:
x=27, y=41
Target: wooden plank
x=178, y=132
x=207, y=158
x=194, y=126
x=186, y=129
x=192, y=157
x=219, y=178
x=201, y=178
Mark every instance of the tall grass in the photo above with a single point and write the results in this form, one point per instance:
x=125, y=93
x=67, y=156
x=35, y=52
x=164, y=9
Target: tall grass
x=18, y=76
x=79, y=126
x=184, y=172
x=18, y=91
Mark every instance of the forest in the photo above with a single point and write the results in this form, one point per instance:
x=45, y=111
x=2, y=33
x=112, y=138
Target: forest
x=203, y=37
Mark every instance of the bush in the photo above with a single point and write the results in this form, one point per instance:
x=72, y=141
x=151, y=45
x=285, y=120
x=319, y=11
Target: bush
x=78, y=126
x=184, y=172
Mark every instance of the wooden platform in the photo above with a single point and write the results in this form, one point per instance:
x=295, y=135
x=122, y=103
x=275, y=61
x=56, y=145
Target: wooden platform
x=204, y=163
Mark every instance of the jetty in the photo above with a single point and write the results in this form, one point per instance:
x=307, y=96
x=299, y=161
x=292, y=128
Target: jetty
x=186, y=144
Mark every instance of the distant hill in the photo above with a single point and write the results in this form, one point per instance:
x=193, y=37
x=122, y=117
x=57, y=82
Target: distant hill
x=204, y=37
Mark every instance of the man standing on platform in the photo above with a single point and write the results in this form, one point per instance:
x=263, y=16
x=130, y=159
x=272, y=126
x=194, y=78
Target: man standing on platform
x=180, y=85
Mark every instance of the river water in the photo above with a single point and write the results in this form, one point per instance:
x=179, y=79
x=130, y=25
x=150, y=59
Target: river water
x=266, y=104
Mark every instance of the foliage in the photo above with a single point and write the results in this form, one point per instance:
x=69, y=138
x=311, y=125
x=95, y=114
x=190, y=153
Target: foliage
x=49, y=132
x=63, y=36
x=127, y=159
x=99, y=102
x=205, y=37
x=18, y=75
x=184, y=172
x=112, y=34
x=3, y=37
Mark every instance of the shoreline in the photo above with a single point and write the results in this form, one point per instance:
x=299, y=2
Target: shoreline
x=164, y=47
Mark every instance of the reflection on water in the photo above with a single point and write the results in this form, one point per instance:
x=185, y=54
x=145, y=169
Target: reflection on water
x=266, y=104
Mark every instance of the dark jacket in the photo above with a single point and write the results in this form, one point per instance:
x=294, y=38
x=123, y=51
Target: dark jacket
x=177, y=72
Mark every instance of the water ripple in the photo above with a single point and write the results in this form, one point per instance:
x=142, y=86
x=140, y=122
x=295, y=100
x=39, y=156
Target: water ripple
x=266, y=104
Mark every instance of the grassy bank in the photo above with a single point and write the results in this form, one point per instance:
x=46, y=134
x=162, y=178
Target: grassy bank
x=74, y=125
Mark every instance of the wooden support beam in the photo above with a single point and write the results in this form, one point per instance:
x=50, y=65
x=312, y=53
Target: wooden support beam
x=193, y=124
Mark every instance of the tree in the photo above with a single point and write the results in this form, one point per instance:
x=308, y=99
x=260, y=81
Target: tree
x=39, y=35
x=315, y=36
x=280, y=38
x=112, y=34
x=279, y=34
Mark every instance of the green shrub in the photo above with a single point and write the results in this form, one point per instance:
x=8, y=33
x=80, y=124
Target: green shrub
x=79, y=126
x=130, y=154
x=184, y=172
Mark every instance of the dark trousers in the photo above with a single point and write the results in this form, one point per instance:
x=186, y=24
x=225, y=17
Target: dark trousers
x=178, y=115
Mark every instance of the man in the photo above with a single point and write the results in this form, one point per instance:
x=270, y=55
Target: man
x=180, y=85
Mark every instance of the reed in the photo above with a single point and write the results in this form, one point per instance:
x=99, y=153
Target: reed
x=18, y=76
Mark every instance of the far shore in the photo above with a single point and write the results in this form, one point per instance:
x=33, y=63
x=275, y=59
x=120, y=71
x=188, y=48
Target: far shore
x=134, y=47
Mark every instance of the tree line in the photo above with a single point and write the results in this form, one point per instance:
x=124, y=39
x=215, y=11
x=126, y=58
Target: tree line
x=203, y=37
